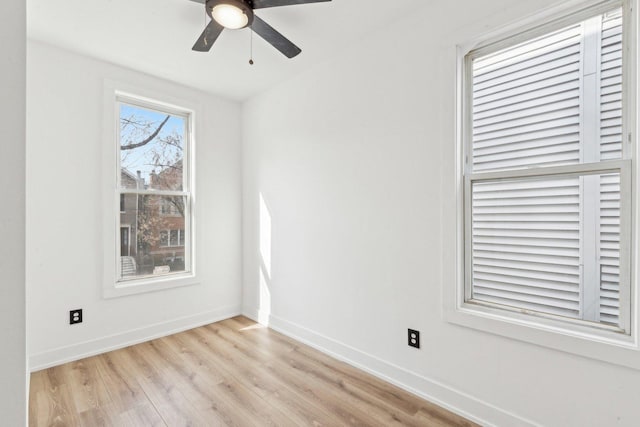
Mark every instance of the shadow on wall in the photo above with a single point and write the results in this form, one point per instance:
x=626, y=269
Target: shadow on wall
x=264, y=309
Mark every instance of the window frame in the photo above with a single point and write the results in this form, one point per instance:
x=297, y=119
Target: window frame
x=146, y=104
x=149, y=98
x=575, y=336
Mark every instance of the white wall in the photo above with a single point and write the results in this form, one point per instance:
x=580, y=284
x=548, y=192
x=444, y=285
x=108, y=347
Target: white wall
x=352, y=161
x=12, y=194
x=64, y=213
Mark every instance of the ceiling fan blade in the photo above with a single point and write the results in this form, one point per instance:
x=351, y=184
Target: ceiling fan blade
x=208, y=37
x=261, y=4
x=273, y=37
x=200, y=1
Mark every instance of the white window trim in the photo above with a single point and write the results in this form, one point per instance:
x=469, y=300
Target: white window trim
x=141, y=95
x=573, y=337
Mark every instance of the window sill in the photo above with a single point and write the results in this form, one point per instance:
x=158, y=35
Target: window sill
x=148, y=284
x=577, y=338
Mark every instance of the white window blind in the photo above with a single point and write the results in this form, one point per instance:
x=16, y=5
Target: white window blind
x=610, y=148
x=526, y=244
x=526, y=104
x=611, y=86
x=548, y=243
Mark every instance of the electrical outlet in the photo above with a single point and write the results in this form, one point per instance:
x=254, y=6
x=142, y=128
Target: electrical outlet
x=75, y=316
x=414, y=338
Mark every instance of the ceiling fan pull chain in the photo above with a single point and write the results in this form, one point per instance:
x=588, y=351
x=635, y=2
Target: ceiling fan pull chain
x=251, y=45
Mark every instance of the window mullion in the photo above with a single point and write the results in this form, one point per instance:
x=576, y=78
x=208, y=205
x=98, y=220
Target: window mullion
x=158, y=193
x=576, y=169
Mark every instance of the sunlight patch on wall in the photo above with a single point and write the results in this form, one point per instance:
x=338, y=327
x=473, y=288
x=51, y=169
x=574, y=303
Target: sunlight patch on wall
x=265, y=263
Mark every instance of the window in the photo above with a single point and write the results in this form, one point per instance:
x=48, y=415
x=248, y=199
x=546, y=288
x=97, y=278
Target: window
x=171, y=238
x=547, y=173
x=154, y=189
x=169, y=207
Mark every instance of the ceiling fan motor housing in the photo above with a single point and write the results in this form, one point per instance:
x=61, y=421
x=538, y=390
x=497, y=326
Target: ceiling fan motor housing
x=246, y=6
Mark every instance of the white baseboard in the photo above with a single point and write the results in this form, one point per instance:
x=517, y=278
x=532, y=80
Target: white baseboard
x=100, y=345
x=434, y=391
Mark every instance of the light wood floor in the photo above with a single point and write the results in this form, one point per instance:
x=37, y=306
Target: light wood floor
x=233, y=372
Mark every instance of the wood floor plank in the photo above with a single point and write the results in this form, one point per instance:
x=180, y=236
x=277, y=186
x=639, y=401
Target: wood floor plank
x=124, y=390
x=93, y=394
x=248, y=356
x=243, y=376
x=55, y=400
x=343, y=391
x=360, y=383
x=213, y=393
x=335, y=396
x=230, y=373
x=269, y=386
x=165, y=392
x=237, y=369
x=323, y=398
x=431, y=414
x=377, y=393
x=38, y=407
x=141, y=415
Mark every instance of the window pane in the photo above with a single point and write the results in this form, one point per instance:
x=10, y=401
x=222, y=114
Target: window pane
x=549, y=245
x=173, y=240
x=554, y=100
x=154, y=245
x=609, y=249
x=611, y=86
x=170, y=207
x=164, y=238
x=151, y=149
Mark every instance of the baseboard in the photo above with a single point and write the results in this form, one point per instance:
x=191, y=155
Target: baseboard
x=101, y=345
x=434, y=391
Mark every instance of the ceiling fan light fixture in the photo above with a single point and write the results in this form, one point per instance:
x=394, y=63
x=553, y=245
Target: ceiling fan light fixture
x=230, y=16
x=236, y=14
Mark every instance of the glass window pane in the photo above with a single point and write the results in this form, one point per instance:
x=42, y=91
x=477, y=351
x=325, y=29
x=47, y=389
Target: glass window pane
x=609, y=248
x=153, y=238
x=550, y=101
x=151, y=149
x=173, y=240
x=164, y=238
x=532, y=239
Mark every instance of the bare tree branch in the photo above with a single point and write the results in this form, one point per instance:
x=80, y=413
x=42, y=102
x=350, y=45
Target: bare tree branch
x=148, y=139
x=165, y=166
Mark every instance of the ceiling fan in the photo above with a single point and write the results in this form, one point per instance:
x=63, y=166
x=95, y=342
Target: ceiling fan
x=237, y=14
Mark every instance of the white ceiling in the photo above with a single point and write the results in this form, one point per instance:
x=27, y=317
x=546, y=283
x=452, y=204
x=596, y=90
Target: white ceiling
x=155, y=36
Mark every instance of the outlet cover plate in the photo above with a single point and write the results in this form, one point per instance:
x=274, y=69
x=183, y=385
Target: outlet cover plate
x=75, y=316
x=413, y=338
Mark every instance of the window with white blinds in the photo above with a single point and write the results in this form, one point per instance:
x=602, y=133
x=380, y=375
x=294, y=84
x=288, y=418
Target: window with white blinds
x=547, y=176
